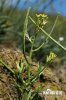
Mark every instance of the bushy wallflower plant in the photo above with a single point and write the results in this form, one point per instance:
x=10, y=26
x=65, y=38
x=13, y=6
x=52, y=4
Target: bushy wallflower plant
x=24, y=78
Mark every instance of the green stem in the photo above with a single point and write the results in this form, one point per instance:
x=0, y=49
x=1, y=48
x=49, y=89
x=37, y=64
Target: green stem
x=53, y=27
x=25, y=32
x=31, y=50
x=25, y=96
x=38, y=48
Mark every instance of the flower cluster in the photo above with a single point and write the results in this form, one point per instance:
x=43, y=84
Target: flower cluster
x=41, y=19
x=51, y=56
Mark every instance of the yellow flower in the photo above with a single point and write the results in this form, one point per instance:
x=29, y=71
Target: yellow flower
x=41, y=19
x=41, y=15
x=51, y=56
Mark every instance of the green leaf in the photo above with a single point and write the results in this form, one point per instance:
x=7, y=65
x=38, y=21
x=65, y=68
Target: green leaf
x=38, y=73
